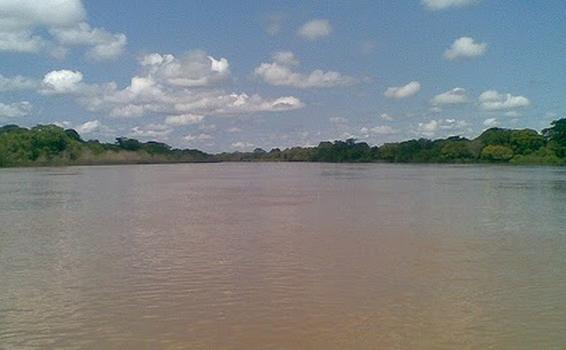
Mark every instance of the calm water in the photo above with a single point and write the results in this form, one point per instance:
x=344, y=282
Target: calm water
x=283, y=256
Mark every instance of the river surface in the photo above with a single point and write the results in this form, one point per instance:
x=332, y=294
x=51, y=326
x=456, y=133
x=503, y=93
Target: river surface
x=283, y=256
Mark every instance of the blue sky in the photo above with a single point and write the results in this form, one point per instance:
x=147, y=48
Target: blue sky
x=227, y=75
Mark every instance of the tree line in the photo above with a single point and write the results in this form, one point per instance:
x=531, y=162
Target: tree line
x=495, y=145
x=53, y=145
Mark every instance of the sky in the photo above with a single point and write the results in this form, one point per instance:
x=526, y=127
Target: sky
x=236, y=75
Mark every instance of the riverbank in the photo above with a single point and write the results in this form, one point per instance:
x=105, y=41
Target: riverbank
x=50, y=145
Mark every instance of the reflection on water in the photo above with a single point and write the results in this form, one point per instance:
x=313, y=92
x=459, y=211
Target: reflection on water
x=283, y=256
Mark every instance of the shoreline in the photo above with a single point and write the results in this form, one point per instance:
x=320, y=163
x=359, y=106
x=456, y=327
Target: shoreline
x=91, y=164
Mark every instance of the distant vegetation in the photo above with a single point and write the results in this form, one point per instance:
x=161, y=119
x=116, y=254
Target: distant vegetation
x=495, y=145
x=52, y=145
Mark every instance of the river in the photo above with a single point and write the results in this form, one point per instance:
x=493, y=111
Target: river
x=283, y=256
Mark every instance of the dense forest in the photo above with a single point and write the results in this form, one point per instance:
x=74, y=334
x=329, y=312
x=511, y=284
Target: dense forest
x=52, y=145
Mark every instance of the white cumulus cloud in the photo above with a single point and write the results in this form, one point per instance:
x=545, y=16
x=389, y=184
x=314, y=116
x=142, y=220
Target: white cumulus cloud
x=315, y=29
x=491, y=122
x=13, y=110
x=196, y=68
x=382, y=130
x=445, y=4
x=451, y=97
x=465, y=47
x=103, y=45
x=429, y=128
x=492, y=100
x=280, y=73
x=62, y=82
x=169, y=87
x=432, y=127
x=184, y=119
x=158, y=90
x=198, y=138
x=128, y=111
x=16, y=83
x=89, y=127
x=241, y=145
x=286, y=58
x=399, y=92
x=512, y=114
x=151, y=131
x=25, y=23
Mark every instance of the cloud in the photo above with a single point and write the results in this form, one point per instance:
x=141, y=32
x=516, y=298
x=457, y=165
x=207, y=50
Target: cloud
x=241, y=145
x=184, y=119
x=399, y=92
x=86, y=128
x=194, y=69
x=430, y=128
x=286, y=58
x=280, y=73
x=22, y=42
x=161, y=100
x=445, y=4
x=219, y=66
x=315, y=29
x=198, y=138
x=491, y=123
x=151, y=131
x=234, y=130
x=216, y=102
x=167, y=86
x=491, y=100
x=387, y=117
x=62, y=124
x=127, y=111
x=381, y=130
x=207, y=127
x=62, y=82
x=465, y=47
x=513, y=114
x=14, y=110
x=244, y=103
x=103, y=44
x=453, y=124
x=174, y=88
x=451, y=97
x=273, y=24
x=16, y=83
x=90, y=127
x=20, y=18
x=23, y=24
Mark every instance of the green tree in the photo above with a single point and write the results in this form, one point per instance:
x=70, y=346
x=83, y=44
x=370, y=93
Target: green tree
x=495, y=136
x=526, y=141
x=128, y=144
x=388, y=152
x=557, y=132
x=556, y=136
x=497, y=153
x=458, y=150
